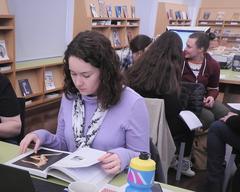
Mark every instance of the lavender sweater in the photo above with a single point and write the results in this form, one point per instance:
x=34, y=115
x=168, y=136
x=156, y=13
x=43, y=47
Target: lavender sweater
x=124, y=131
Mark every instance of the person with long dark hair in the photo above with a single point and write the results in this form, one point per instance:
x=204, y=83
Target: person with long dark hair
x=97, y=109
x=157, y=74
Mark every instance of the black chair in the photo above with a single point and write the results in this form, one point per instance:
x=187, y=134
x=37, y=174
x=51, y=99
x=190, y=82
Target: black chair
x=17, y=139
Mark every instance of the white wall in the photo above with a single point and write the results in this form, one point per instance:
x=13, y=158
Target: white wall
x=147, y=10
x=42, y=27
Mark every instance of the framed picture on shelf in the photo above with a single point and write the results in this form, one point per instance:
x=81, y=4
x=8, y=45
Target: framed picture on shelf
x=93, y=10
x=49, y=80
x=3, y=51
x=25, y=87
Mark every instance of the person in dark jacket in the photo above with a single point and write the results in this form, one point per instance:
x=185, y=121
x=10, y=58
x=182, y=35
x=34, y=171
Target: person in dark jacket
x=157, y=74
x=10, y=122
x=200, y=67
x=222, y=132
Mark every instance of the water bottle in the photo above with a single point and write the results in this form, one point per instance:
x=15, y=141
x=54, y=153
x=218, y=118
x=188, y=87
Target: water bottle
x=141, y=173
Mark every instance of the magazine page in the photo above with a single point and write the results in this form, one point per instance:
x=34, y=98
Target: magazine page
x=83, y=157
x=37, y=163
x=93, y=174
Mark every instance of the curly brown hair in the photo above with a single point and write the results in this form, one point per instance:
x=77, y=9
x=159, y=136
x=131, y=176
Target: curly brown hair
x=158, y=69
x=94, y=48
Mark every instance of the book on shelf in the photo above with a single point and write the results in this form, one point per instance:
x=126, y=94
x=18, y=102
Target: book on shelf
x=102, y=11
x=25, y=87
x=178, y=15
x=109, y=10
x=81, y=165
x=206, y=15
x=28, y=102
x=170, y=14
x=133, y=11
x=235, y=16
x=93, y=10
x=116, y=38
x=3, y=51
x=184, y=15
x=118, y=11
x=125, y=11
x=4, y=68
x=52, y=95
x=220, y=15
x=49, y=80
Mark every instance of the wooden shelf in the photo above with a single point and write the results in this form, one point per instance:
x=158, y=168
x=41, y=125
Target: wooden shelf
x=224, y=22
x=7, y=34
x=114, y=28
x=164, y=18
x=34, y=71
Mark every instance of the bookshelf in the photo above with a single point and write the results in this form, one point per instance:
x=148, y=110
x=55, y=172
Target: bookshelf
x=120, y=30
x=34, y=72
x=171, y=14
x=224, y=22
x=7, y=42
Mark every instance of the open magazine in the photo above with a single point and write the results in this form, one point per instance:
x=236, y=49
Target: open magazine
x=81, y=165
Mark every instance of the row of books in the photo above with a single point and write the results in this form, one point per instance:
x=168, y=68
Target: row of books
x=121, y=11
x=181, y=15
x=26, y=88
x=220, y=16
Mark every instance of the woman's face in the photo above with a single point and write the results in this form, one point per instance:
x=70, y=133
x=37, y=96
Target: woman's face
x=86, y=77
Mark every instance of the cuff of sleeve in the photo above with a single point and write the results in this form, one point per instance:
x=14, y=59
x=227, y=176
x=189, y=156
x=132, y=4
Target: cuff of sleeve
x=42, y=135
x=124, y=155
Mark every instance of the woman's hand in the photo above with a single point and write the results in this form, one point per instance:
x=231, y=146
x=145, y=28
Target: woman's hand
x=111, y=163
x=224, y=119
x=27, y=140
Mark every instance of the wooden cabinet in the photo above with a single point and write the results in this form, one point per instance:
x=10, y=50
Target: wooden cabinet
x=7, y=46
x=224, y=22
x=171, y=14
x=35, y=72
x=120, y=30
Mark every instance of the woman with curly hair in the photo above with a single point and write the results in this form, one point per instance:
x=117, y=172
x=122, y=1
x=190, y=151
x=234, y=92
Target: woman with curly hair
x=97, y=110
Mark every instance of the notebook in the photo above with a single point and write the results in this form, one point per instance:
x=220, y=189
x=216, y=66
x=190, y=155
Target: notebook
x=15, y=180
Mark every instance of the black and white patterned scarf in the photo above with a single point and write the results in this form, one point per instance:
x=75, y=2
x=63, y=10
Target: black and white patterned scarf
x=78, y=123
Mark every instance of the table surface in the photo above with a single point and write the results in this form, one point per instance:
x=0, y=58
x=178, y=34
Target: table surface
x=9, y=151
x=227, y=76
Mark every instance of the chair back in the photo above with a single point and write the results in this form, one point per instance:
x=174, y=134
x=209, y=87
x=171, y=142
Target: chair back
x=160, y=134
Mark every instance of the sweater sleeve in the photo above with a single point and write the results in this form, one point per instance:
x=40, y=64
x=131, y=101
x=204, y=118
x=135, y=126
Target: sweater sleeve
x=213, y=82
x=233, y=122
x=137, y=134
x=55, y=141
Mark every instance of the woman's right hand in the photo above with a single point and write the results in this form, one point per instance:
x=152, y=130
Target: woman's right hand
x=27, y=140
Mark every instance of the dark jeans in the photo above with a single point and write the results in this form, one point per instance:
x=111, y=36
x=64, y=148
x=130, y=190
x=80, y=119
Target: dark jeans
x=218, y=135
